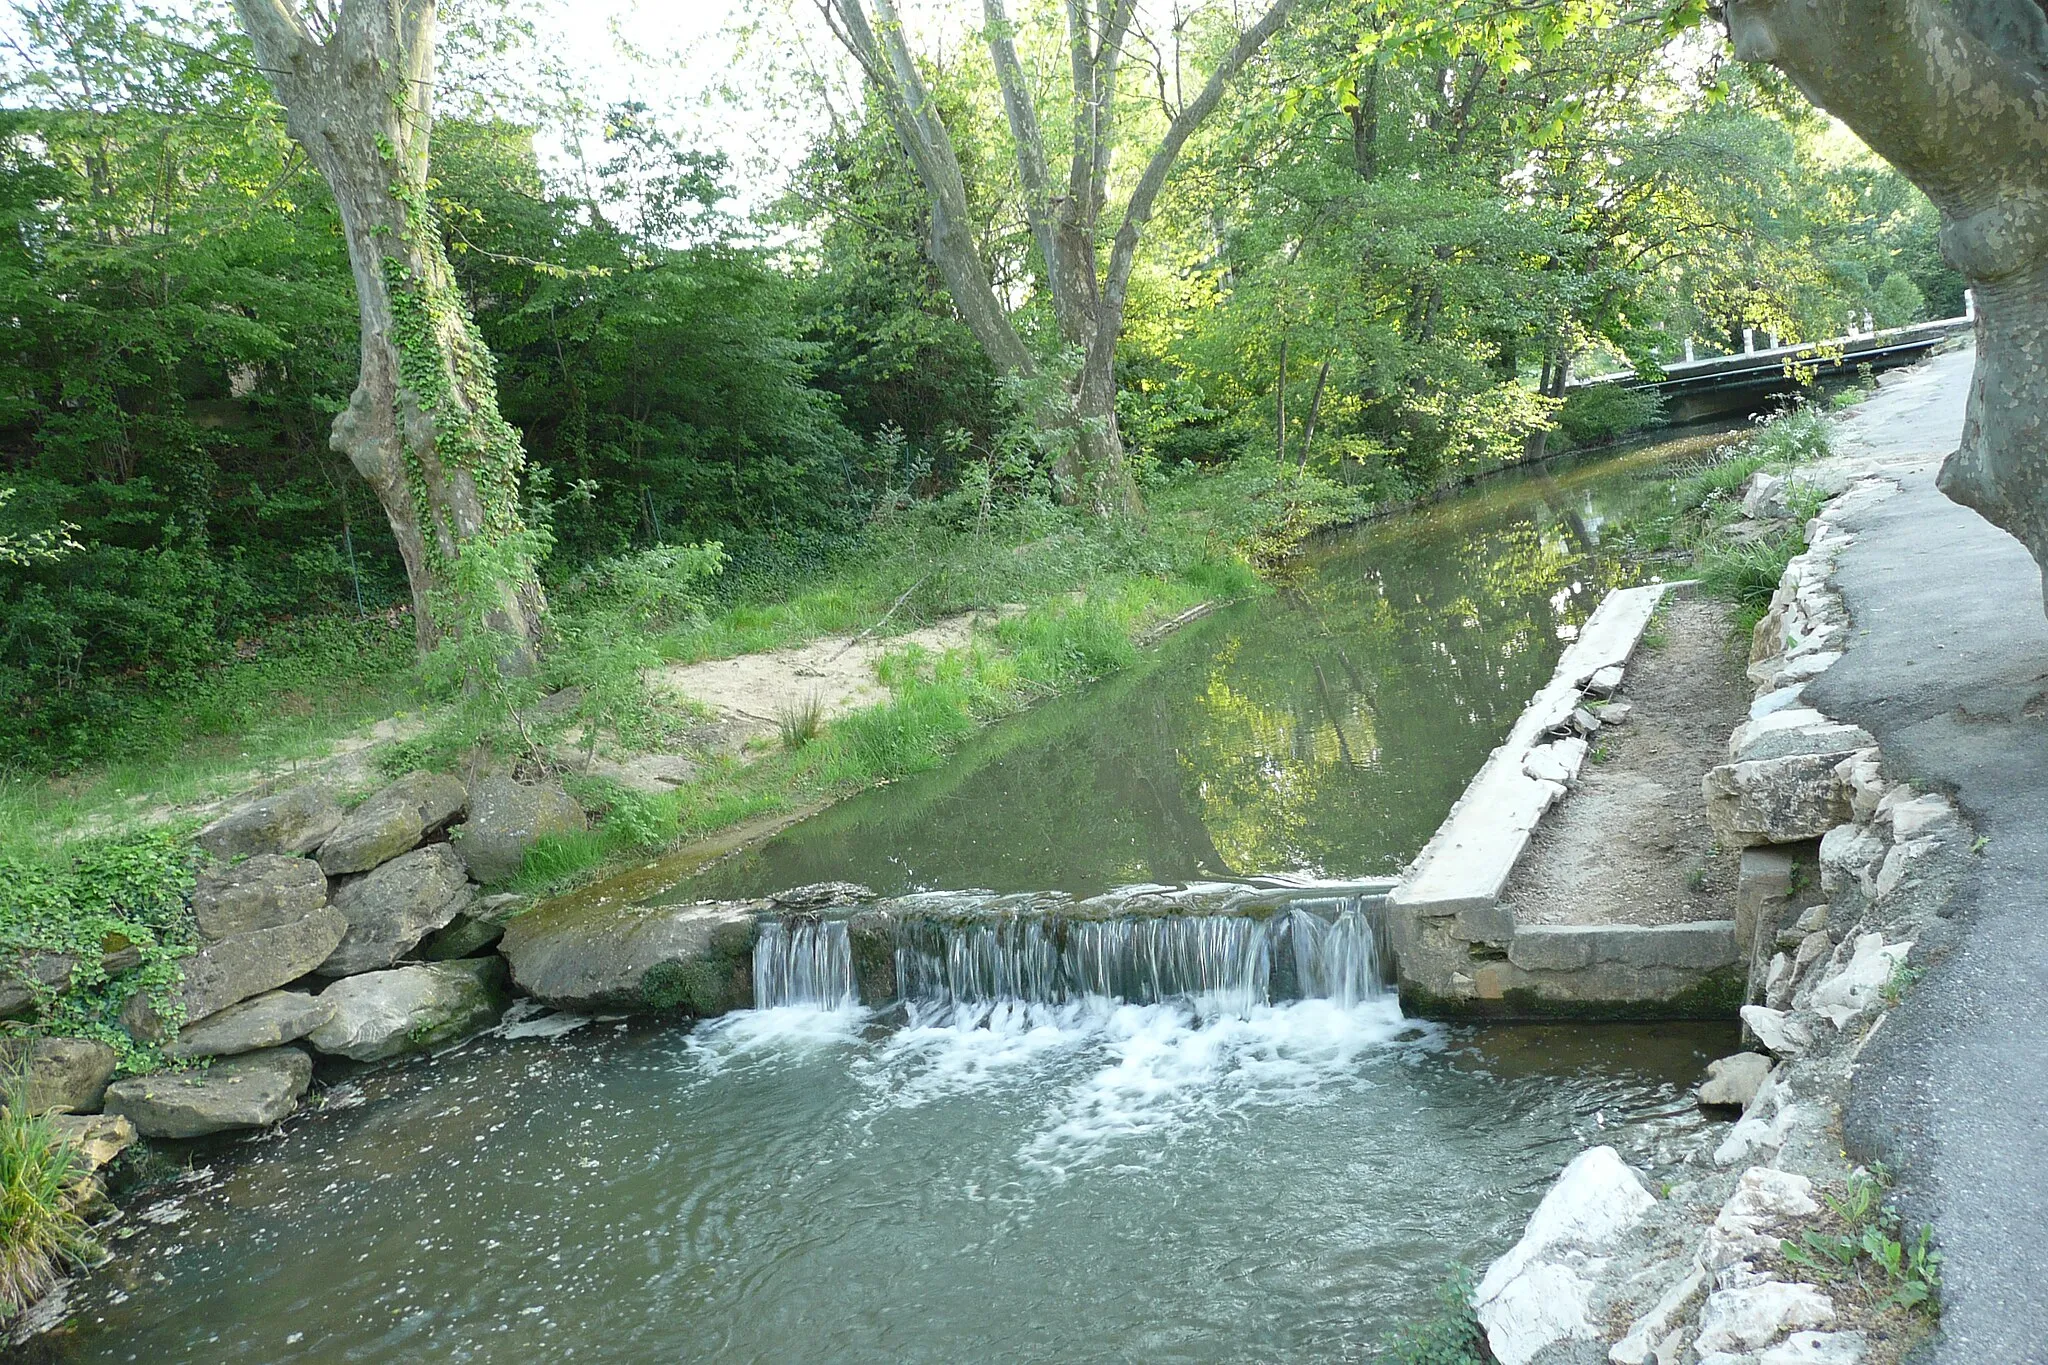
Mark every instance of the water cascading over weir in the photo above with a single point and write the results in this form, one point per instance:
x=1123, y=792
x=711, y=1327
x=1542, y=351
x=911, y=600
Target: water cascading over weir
x=1227, y=949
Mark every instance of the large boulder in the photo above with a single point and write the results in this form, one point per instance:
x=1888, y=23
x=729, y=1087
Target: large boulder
x=506, y=818
x=253, y=1090
x=374, y=832
x=1540, y=1294
x=392, y=821
x=410, y=1009
x=59, y=1073
x=1775, y=800
x=268, y=1020
x=596, y=957
x=294, y=821
x=395, y=906
x=233, y=969
x=258, y=893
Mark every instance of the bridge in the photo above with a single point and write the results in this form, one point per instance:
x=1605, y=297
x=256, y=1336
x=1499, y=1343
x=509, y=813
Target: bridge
x=1753, y=379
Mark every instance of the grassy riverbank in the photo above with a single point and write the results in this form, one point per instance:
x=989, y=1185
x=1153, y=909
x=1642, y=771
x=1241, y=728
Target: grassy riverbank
x=312, y=690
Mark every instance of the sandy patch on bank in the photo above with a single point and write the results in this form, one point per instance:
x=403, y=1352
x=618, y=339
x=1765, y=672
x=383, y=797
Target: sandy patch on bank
x=1631, y=844
x=749, y=693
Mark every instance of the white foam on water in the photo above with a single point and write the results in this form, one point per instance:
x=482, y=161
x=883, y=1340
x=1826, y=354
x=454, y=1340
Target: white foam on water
x=1165, y=1067
x=787, y=1032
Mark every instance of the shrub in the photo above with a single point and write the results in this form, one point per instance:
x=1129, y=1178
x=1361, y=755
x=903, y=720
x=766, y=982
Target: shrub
x=1604, y=412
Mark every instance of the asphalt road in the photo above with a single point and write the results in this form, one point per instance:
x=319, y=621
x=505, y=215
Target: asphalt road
x=1948, y=667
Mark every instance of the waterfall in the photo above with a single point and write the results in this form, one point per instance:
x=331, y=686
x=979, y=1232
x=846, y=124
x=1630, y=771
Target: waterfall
x=1336, y=959
x=1227, y=963
x=806, y=962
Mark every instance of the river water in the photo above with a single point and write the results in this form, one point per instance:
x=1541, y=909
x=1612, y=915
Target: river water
x=1188, y=1170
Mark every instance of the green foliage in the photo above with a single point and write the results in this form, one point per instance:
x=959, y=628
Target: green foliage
x=41, y=1230
x=96, y=897
x=1606, y=412
x=1451, y=1336
x=1872, y=1249
x=798, y=724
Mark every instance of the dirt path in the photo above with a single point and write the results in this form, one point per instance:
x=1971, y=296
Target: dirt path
x=1631, y=844
x=749, y=694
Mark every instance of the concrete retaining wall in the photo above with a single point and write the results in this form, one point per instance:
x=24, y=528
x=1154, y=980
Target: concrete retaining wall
x=1457, y=950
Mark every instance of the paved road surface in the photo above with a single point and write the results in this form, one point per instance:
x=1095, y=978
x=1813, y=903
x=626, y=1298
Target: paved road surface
x=1948, y=667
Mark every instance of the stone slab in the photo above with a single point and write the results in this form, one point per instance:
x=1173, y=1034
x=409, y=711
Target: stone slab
x=1701, y=946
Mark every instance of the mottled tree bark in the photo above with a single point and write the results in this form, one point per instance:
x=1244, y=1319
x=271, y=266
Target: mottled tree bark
x=1955, y=94
x=1088, y=295
x=422, y=427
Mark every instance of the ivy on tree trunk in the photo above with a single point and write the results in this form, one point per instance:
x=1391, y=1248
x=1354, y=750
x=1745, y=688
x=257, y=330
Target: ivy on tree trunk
x=422, y=427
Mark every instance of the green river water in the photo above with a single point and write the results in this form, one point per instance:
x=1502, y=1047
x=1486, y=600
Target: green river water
x=1076, y=1179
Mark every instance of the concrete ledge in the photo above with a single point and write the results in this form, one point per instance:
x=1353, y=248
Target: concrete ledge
x=1466, y=865
x=1700, y=946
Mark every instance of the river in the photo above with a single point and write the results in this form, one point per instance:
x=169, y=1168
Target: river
x=1165, y=1177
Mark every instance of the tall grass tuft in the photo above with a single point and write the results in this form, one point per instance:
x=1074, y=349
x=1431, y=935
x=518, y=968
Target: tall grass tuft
x=798, y=722
x=41, y=1232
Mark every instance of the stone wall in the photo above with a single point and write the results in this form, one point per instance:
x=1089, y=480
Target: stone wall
x=1693, y=1274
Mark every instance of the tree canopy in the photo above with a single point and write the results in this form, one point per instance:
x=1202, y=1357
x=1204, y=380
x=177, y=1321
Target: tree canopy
x=1368, y=246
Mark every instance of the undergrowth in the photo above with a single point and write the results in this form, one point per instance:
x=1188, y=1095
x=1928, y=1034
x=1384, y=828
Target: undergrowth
x=1702, y=506
x=128, y=894
x=1869, y=1246
x=1450, y=1336
x=41, y=1230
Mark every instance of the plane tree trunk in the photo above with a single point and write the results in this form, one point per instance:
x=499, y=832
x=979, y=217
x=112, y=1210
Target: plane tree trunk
x=1955, y=94
x=1088, y=294
x=422, y=427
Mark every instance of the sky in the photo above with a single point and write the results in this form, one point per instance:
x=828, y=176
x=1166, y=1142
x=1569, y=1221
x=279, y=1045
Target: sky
x=708, y=68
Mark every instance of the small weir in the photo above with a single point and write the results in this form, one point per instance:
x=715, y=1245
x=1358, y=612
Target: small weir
x=1324, y=948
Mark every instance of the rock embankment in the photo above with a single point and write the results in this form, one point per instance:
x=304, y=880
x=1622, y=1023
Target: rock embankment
x=1696, y=1274
x=349, y=932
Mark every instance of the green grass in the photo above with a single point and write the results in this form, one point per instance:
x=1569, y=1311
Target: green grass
x=185, y=738
x=41, y=1232
x=940, y=699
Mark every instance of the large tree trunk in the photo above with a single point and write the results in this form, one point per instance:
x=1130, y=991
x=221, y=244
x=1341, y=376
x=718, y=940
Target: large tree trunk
x=1087, y=296
x=1955, y=94
x=422, y=427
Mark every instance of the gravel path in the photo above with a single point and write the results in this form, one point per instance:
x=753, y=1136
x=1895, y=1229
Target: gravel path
x=1631, y=844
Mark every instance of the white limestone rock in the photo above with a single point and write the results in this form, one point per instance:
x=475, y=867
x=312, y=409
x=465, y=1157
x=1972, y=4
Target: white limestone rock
x=1798, y=730
x=1921, y=816
x=1785, y=1034
x=1763, y=1198
x=1778, y=983
x=1556, y=762
x=1732, y=1081
x=1848, y=853
x=1817, y=1348
x=1540, y=1292
x=1762, y=1129
x=1859, y=772
x=1638, y=1346
x=1776, y=701
x=1775, y=800
x=1858, y=987
x=1898, y=866
x=1743, y=1319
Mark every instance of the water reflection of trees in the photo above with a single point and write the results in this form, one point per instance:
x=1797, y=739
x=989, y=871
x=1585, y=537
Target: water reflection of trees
x=1327, y=728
